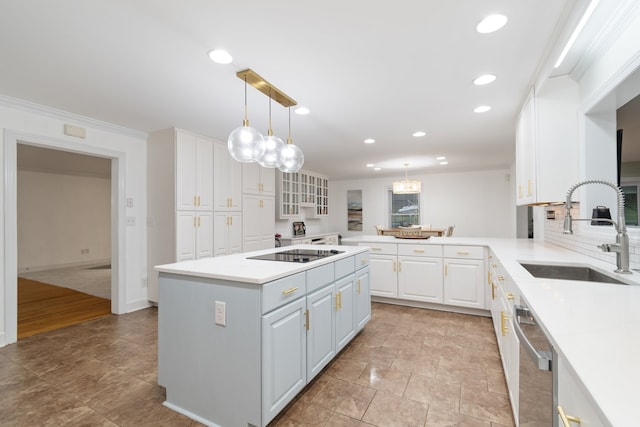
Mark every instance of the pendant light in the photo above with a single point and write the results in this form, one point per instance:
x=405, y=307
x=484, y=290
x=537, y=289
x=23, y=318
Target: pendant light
x=291, y=157
x=245, y=144
x=272, y=147
x=407, y=186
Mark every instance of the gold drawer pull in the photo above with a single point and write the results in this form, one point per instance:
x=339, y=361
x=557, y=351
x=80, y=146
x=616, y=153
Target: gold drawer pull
x=501, y=278
x=462, y=253
x=567, y=419
x=420, y=251
x=289, y=291
x=363, y=261
x=376, y=249
x=510, y=296
x=503, y=319
x=306, y=320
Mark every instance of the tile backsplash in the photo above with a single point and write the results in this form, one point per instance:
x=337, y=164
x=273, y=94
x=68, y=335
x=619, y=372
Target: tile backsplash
x=586, y=238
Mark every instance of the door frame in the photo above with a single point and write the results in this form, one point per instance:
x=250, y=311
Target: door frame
x=118, y=258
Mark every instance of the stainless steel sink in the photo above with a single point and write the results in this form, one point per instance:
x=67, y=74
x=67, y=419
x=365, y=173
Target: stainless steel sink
x=569, y=272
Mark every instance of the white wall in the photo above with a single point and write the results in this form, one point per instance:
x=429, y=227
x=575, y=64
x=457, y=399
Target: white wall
x=31, y=122
x=59, y=216
x=479, y=203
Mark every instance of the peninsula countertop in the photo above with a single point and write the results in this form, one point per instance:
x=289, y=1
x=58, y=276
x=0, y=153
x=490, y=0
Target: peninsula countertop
x=595, y=327
x=238, y=268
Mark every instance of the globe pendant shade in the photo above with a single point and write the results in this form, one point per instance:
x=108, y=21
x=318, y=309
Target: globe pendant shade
x=245, y=144
x=272, y=149
x=291, y=158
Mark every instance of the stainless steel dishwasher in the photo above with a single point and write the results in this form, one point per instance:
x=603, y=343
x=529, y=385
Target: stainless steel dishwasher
x=538, y=389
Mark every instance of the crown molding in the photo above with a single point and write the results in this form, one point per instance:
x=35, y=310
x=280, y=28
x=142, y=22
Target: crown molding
x=619, y=22
x=54, y=113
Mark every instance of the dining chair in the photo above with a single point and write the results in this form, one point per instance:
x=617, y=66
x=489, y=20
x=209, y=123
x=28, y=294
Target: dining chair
x=450, y=230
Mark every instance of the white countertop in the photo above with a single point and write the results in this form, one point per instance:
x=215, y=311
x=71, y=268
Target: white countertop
x=238, y=268
x=595, y=327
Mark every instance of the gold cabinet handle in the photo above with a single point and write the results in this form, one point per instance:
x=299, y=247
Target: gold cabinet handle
x=510, y=296
x=359, y=290
x=289, y=291
x=420, y=251
x=489, y=277
x=306, y=320
x=198, y=200
x=364, y=261
x=519, y=191
x=198, y=221
x=503, y=320
x=529, y=190
x=399, y=267
x=376, y=249
x=493, y=290
x=195, y=200
x=194, y=221
x=462, y=253
x=261, y=203
x=394, y=266
x=567, y=419
x=446, y=269
x=501, y=278
x=337, y=301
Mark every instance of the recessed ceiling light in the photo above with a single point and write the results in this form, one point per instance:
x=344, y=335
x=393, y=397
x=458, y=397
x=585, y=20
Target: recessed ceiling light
x=419, y=134
x=491, y=23
x=482, y=109
x=369, y=141
x=440, y=158
x=303, y=111
x=220, y=56
x=370, y=165
x=484, y=80
x=444, y=163
x=377, y=169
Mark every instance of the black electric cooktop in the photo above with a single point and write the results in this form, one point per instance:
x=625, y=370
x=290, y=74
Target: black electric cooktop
x=297, y=255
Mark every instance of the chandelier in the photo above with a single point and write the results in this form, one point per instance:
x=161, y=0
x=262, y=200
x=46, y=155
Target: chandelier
x=407, y=186
x=247, y=145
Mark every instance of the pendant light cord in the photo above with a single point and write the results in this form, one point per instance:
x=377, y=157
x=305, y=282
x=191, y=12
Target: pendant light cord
x=245, y=122
x=289, y=137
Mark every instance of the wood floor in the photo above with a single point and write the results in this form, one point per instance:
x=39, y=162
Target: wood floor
x=43, y=307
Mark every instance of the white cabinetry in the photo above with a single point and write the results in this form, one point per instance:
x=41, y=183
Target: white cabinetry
x=345, y=310
x=194, y=171
x=227, y=238
x=179, y=200
x=258, y=229
x=288, y=195
x=307, y=188
x=383, y=267
x=322, y=196
x=575, y=400
x=464, y=276
x=227, y=180
x=420, y=273
x=321, y=347
x=258, y=180
x=547, y=142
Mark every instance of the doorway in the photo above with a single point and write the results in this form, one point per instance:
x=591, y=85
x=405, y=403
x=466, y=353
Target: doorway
x=64, y=238
x=117, y=214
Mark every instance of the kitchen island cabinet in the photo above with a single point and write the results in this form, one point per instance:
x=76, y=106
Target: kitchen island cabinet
x=239, y=338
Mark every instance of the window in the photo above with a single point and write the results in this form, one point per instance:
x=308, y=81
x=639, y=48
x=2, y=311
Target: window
x=630, y=191
x=404, y=209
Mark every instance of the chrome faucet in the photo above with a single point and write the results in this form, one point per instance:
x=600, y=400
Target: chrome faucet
x=621, y=246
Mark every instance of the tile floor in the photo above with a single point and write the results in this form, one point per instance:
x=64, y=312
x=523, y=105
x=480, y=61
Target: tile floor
x=409, y=367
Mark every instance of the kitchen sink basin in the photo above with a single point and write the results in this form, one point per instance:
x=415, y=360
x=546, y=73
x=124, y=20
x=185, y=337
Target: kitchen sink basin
x=569, y=272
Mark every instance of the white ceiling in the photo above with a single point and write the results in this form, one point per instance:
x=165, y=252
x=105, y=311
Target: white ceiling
x=365, y=70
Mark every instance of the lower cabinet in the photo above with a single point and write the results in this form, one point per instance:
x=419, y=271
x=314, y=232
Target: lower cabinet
x=284, y=368
x=227, y=238
x=345, y=311
x=441, y=274
x=321, y=342
x=194, y=236
x=574, y=401
x=363, y=295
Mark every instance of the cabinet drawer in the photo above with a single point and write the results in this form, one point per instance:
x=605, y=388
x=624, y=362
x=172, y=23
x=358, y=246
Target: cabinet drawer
x=362, y=260
x=344, y=267
x=471, y=252
x=420, y=250
x=382, y=248
x=319, y=276
x=282, y=291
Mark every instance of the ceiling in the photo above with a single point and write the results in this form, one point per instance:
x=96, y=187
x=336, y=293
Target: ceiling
x=365, y=69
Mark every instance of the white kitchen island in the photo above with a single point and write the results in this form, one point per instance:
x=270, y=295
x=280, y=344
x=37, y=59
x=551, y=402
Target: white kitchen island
x=238, y=338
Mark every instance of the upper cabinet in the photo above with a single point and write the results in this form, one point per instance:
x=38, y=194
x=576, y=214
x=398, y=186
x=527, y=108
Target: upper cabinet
x=227, y=180
x=303, y=189
x=194, y=172
x=547, y=143
x=258, y=180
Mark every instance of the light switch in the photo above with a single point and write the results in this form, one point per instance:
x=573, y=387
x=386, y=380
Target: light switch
x=221, y=313
x=129, y=202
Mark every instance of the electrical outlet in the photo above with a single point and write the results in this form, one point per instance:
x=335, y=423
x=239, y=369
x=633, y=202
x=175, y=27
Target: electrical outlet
x=129, y=202
x=84, y=251
x=221, y=313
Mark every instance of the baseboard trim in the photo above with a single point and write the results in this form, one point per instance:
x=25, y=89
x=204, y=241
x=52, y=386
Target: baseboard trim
x=2, y=340
x=140, y=304
x=93, y=262
x=432, y=306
